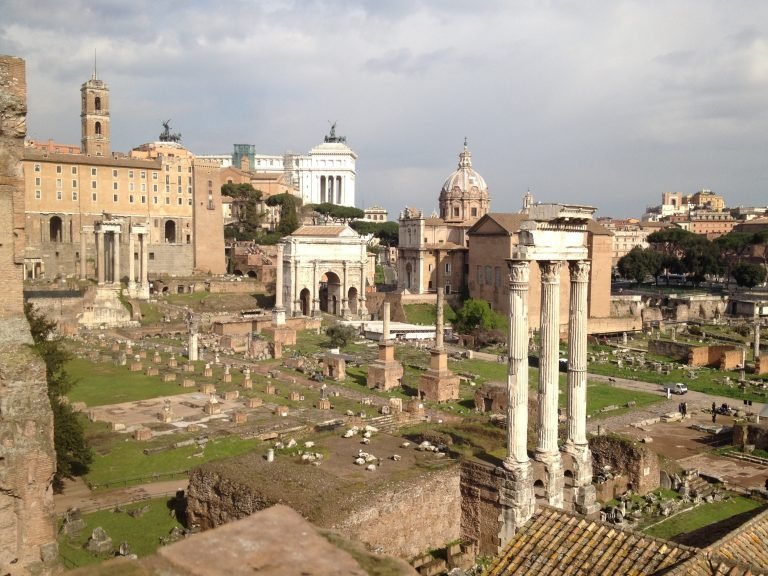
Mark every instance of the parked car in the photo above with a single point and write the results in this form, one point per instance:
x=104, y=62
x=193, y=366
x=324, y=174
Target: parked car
x=678, y=388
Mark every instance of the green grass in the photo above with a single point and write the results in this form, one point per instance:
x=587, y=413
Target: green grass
x=142, y=533
x=426, y=313
x=120, y=460
x=102, y=383
x=600, y=395
x=701, y=516
x=149, y=313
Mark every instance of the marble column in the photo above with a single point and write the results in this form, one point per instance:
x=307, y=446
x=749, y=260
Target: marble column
x=131, y=263
x=315, y=281
x=100, y=257
x=144, y=244
x=192, y=350
x=362, y=308
x=517, y=367
x=385, y=336
x=83, y=260
x=116, y=258
x=577, y=354
x=344, y=293
x=549, y=356
x=439, y=328
x=278, y=315
x=757, y=335
x=296, y=304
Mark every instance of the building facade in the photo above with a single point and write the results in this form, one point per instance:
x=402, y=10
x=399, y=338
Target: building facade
x=159, y=187
x=428, y=243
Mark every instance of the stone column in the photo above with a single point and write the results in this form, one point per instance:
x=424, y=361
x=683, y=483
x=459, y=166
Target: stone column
x=100, y=257
x=315, y=303
x=577, y=354
x=278, y=315
x=385, y=336
x=517, y=367
x=116, y=258
x=439, y=328
x=344, y=289
x=296, y=304
x=757, y=336
x=546, y=448
x=82, y=254
x=516, y=494
x=192, y=351
x=144, y=242
x=362, y=308
x=131, y=263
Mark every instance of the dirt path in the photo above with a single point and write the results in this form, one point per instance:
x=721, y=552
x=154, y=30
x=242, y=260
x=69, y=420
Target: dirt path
x=77, y=495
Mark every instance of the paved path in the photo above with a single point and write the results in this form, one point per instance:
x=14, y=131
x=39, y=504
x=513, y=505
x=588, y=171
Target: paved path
x=77, y=495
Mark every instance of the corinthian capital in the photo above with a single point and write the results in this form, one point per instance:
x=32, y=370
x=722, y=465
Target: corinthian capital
x=550, y=271
x=579, y=270
x=519, y=271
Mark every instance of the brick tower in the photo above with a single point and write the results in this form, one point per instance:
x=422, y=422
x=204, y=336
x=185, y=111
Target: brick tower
x=94, y=115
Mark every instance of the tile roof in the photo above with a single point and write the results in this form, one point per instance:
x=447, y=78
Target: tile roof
x=327, y=231
x=748, y=544
x=555, y=542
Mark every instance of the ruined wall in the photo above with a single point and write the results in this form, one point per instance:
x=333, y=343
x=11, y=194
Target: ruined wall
x=693, y=355
x=638, y=463
x=731, y=359
x=675, y=350
x=27, y=528
x=745, y=433
x=402, y=518
x=761, y=364
x=480, y=508
x=244, y=286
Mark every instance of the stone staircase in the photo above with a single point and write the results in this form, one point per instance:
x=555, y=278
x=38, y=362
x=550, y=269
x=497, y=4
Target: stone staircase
x=385, y=423
x=700, y=487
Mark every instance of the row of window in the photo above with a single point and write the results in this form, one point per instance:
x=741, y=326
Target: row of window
x=115, y=198
x=490, y=276
x=115, y=172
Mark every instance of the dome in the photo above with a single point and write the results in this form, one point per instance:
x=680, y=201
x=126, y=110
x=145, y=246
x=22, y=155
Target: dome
x=464, y=197
x=465, y=180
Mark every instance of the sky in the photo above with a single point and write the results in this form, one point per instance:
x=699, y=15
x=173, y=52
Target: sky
x=605, y=103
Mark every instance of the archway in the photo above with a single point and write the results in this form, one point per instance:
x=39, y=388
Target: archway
x=251, y=274
x=408, y=275
x=304, y=299
x=330, y=293
x=238, y=272
x=55, y=229
x=539, y=491
x=170, y=232
x=352, y=300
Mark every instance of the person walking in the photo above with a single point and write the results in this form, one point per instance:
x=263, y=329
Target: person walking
x=714, y=416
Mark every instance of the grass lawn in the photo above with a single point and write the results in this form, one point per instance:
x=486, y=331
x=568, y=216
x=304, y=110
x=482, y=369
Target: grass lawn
x=600, y=395
x=701, y=516
x=142, y=533
x=426, y=313
x=103, y=383
x=120, y=461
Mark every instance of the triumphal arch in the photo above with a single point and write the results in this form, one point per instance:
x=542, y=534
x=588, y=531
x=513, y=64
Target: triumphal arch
x=552, y=236
x=324, y=270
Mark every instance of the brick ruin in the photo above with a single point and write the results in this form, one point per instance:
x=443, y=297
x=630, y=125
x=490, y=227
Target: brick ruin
x=27, y=523
x=722, y=356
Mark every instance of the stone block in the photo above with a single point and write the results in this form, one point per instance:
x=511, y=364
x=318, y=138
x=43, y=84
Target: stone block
x=231, y=395
x=169, y=377
x=135, y=367
x=323, y=404
x=142, y=434
x=152, y=371
x=254, y=402
x=187, y=383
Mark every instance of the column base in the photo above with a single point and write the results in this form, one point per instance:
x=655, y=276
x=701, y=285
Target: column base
x=584, y=493
x=553, y=476
x=278, y=316
x=516, y=498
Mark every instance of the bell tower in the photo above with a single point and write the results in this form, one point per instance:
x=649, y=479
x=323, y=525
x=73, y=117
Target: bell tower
x=94, y=116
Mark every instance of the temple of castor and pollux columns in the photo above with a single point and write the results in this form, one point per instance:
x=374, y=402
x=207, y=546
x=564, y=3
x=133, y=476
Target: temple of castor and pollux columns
x=552, y=237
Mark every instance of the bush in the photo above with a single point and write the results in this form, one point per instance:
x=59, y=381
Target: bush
x=340, y=335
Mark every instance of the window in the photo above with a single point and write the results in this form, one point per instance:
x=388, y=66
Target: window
x=58, y=169
x=143, y=199
x=181, y=201
x=189, y=190
x=479, y=274
x=37, y=181
x=488, y=275
x=447, y=288
x=143, y=174
x=474, y=211
x=154, y=187
x=130, y=173
x=114, y=173
x=167, y=179
x=74, y=169
x=130, y=198
x=97, y=104
x=58, y=182
x=93, y=197
x=74, y=183
x=151, y=255
x=154, y=199
x=58, y=194
x=114, y=197
x=93, y=171
x=114, y=185
x=430, y=267
x=189, y=201
x=167, y=200
x=130, y=186
x=154, y=175
x=178, y=168
x=447, y=267
x=178, y=189
x=38, y=195
x=143, y=187
x=74, y=195
x=93, y=184
x=455, y=211
x=178, y=180
x=37, y=167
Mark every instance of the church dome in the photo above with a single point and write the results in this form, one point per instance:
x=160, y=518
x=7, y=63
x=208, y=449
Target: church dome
x=465, y=180
x=464, y=196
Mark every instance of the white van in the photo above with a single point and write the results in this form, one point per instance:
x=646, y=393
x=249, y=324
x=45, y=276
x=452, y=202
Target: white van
x=678, y=388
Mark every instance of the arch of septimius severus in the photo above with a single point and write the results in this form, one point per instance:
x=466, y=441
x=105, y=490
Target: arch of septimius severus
x=553, y=236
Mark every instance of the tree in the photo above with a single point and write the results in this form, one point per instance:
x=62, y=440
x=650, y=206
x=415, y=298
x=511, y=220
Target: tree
x=248, y=226
x=340, y=335
x=73, y=455
x=639, y=263
x=476, y=314
x=289, y=218
x=388, y=233
x=749, y=275
x=336, y=212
